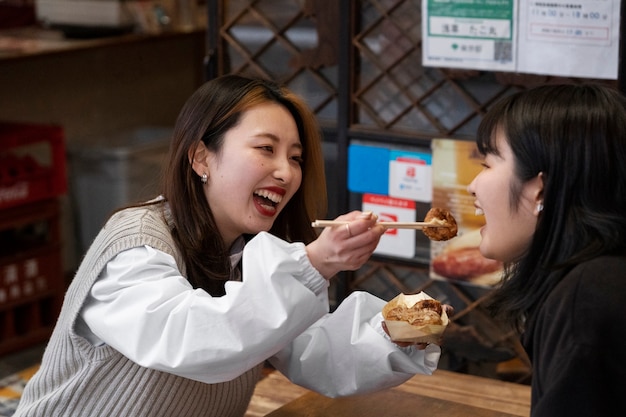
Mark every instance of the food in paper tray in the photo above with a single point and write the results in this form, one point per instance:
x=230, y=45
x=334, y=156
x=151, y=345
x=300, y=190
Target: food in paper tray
x=416, y=318
x=440, y=216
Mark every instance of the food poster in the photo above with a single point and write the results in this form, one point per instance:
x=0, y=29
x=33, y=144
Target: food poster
x=455, y=164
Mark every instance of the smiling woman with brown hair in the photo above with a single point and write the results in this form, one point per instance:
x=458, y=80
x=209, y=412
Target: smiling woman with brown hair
x=179, y=301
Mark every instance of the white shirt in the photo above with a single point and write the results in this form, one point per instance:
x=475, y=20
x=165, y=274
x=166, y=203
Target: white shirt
x=142, y=306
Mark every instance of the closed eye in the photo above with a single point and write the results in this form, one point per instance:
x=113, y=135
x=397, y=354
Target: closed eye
x=267, y=148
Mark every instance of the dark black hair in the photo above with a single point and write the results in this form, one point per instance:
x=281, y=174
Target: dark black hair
x=575, y=135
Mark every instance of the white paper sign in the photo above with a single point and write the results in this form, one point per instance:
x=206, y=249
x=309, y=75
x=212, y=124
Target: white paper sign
x=471, y=34
x=573, y=38
x=568, y=38
x=395, y=242
x=410, y=176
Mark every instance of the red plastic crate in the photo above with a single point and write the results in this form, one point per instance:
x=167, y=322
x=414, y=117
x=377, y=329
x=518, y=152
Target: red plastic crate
x=32, y=163
x=30, y=276
x=31, y=273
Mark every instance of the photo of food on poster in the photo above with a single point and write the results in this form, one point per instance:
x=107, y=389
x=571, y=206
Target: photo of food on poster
x=455, y=164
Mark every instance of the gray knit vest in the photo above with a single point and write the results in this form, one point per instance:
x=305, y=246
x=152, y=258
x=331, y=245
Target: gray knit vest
x=77, y=379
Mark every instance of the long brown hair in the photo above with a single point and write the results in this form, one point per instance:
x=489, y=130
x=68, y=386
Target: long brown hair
x=215, y=108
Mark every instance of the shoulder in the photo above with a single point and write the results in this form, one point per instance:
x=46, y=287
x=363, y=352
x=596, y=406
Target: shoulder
x=138, y=226
x=593, y=294
x=598, y=281
x=139, y=219
x=145, y=213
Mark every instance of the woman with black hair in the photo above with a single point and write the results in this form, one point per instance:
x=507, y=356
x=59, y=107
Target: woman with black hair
x=553, y=193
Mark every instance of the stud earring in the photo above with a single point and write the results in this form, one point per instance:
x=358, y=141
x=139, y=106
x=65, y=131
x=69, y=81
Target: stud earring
x=539, y=207
x=204, y=178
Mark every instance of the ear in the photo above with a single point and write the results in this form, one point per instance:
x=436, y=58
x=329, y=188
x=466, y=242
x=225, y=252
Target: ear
x=199, y=159
x=539, y=188
x=537, y=184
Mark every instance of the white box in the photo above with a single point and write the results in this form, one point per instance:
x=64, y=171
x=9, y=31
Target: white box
x=109, y=172
x=109, y=13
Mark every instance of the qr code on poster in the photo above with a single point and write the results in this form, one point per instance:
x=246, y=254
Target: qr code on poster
x=503, y=51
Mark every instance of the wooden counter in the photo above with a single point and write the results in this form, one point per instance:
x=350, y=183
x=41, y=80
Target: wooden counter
x=444, y=393
x=492, y=394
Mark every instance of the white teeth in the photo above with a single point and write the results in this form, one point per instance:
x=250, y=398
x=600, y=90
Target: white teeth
x=479, y=212
x=276, y=198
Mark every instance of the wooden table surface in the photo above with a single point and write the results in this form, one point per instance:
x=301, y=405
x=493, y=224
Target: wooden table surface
x=444, y=393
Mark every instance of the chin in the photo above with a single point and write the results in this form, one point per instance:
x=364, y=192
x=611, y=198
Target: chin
x=485, y=251
x=265, y=226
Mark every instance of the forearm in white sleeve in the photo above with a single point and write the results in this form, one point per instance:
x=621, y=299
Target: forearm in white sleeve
x=146, y=310
x=347, y=352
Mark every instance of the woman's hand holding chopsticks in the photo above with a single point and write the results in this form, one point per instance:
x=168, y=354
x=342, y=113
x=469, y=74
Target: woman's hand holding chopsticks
x=347, y=244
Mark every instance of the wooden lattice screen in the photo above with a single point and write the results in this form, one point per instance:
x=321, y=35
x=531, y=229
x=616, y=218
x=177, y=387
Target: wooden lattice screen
x=358, y=64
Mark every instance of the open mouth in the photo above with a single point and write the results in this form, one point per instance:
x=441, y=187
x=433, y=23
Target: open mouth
x=268, y=199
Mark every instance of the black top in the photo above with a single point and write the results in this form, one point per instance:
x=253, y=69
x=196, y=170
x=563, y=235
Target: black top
x=577, y=343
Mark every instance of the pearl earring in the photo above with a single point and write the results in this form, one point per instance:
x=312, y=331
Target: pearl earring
x=204, y=178
x=539, y=207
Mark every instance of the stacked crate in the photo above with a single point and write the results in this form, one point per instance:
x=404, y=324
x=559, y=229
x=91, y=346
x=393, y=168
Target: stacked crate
x=32, y=176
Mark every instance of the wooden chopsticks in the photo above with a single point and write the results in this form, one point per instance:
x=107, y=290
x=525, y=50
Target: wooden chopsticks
x=388, y=225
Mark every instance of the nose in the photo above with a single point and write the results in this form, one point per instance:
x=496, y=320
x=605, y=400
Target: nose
x=471, y=188
x=284, y=170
